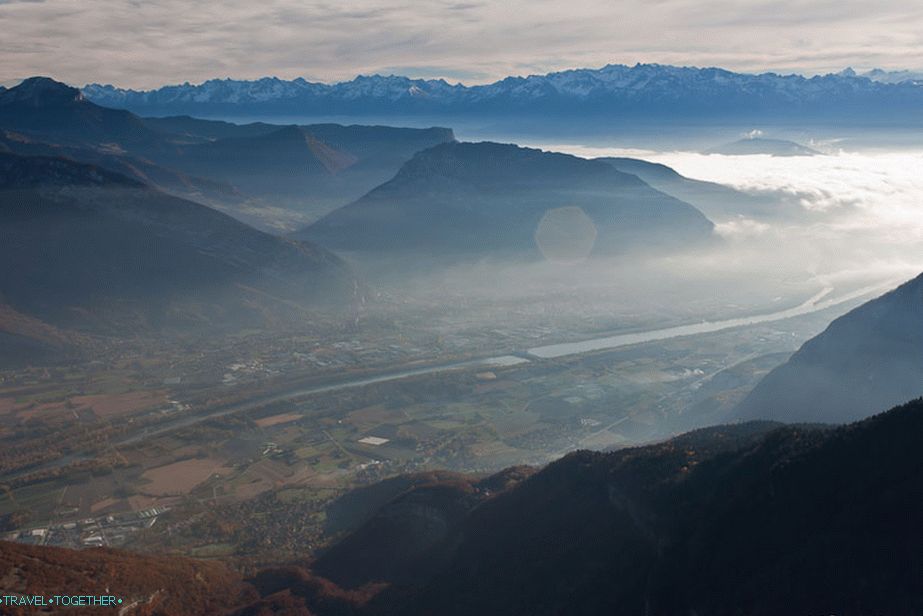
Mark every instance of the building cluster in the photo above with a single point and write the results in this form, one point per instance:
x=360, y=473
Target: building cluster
x=101, y=531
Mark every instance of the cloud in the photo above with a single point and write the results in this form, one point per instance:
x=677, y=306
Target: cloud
x=860, y=208
x=885, y=189
x=859, y=211
x=146, y=44
x=742, y=229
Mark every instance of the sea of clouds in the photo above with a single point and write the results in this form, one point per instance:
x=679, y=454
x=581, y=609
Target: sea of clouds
x=859, y=211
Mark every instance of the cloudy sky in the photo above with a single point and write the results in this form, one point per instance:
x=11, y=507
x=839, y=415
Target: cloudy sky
x=146, y=43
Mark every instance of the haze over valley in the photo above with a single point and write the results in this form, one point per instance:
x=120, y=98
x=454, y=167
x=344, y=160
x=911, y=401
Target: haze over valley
x=641, y=337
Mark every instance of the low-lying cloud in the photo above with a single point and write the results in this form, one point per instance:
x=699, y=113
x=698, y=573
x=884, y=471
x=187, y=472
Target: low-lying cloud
x=880, y=194
x=843, y=212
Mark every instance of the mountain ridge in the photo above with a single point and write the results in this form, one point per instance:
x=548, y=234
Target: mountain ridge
x=763, y=145
x=869, y=358
x=475, y=200
x=715, y=521
x=718, y=202
x=751, y=518
x=273, y=176
x=613, y=90
x=139, y=258
x=42, y=105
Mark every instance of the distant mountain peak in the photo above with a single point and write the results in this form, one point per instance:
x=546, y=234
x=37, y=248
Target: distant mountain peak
x=914, y=77
x=642, y=90
x=755, y=143
x=487, y=162
x=466, y=201
x=41, y=92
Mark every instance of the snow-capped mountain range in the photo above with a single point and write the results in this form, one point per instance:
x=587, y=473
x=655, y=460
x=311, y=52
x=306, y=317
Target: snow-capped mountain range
x=877, y=74
x=643, y=89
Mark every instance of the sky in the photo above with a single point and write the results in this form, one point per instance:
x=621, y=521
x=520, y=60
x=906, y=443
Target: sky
x=148, y=43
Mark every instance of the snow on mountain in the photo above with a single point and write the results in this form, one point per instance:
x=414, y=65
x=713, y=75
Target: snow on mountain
x=877, y=74
x=643, y=88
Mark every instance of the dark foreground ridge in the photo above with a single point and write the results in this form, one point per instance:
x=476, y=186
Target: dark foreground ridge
x=150, y=584
x=745, y=519
x=754, y=518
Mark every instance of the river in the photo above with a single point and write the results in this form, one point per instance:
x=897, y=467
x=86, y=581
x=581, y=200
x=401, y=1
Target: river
x=551, y=351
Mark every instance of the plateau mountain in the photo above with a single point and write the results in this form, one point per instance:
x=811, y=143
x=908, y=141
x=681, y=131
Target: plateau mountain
x=463, y=201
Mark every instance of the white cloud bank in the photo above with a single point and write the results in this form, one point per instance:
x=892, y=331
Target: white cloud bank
x=863, y=211
x=877, y=193
x=859, y=211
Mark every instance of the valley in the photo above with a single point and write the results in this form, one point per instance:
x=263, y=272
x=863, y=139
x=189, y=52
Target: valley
x=305, y=420
x=292, y=366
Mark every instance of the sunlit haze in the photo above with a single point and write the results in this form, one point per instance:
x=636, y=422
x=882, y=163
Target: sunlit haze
x=461, y=307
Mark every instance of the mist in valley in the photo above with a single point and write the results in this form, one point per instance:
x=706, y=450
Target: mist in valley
x=844, y=220
x=511, y=309
x=240, y=330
